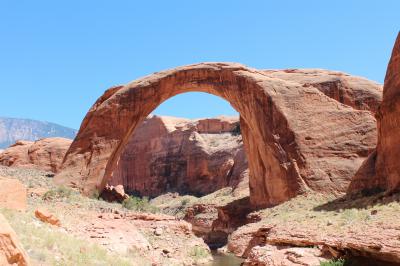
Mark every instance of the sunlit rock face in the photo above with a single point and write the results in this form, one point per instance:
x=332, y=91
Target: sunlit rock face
x=44, y=154
x=298, y=135
x=168, y=154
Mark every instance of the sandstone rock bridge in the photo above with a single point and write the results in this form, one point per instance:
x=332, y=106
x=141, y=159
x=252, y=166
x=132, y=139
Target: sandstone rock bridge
x=302, y=129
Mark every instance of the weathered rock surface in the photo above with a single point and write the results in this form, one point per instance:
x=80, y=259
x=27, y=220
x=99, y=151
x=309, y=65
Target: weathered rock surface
x=357, y=92
x=11, y=250
x=45, y=154
x=382, y=169
x=47, y=217
x=121, y=232
x=368, y=241
x=114, y=194
x=296, y=137
x=13, y=194
x=270, y=255
x=169, y=154
x=215, y=222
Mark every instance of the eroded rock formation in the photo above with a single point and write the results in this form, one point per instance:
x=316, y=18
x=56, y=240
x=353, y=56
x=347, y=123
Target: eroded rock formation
x=297, y=136
x=45, y=154
x=169, y=154
x=371, y=242
x=270, y=255
x=382, y=169
x=11, y=250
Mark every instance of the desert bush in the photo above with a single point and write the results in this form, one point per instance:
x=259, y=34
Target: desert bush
x=139, y=204
x=58, y=193
x=198, y=253
x=236, y=130
x=185, y=201
x=339, y=262
x=95, y=195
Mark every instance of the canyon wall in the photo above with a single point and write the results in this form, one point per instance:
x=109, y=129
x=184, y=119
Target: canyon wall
x=169, y=154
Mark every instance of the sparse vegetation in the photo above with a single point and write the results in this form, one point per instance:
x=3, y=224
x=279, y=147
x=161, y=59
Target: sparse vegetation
x=338, y=262
x=139, y=204
x=184, y=202
x=199, y=253
x=58, y=193
x=236, y=130
x=47, y=246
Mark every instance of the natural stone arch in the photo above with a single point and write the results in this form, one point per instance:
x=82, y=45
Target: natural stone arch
x=296, y=137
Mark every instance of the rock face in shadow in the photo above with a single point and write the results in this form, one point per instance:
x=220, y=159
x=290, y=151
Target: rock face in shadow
x=169, y=154
x=297, y=136
x=45, y=154
x=382, y=169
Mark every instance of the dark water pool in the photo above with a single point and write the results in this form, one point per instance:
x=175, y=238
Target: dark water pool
x=224, y=260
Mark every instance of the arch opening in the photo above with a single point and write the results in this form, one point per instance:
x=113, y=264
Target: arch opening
x=195, y=156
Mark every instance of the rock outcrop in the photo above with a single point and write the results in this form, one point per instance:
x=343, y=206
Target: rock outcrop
x=382, y=169
x=13, y=194
x=45, y=154
x=366, y=241
x=168, y=154
x=47, y=217
x=11, y=250
x=269, y=255
x=297, y=136
x=114, y=194
x=215, y=222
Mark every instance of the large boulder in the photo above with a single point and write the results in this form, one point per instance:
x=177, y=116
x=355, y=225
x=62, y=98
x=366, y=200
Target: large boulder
x=11, y=250
x=381, y=171
x=13, y=194
x=114, y=194
x=45, y=154
x=181, y=155
x=298, y=136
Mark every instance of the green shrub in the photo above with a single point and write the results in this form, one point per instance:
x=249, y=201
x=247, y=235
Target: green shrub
x=339, y=262
x=236, y=130
x=185, y=201
x=139, y=204
x=58, y=193
x=198, y=253
x=95, y=194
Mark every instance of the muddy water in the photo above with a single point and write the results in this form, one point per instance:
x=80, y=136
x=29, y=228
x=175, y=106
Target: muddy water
x=224, y=260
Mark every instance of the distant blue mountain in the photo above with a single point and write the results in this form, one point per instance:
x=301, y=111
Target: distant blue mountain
x=13, y=129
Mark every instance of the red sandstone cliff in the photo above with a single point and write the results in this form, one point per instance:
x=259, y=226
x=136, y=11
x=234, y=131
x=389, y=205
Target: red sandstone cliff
x=181, y=155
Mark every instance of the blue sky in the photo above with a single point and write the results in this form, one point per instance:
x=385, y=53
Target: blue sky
x=58, y=57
